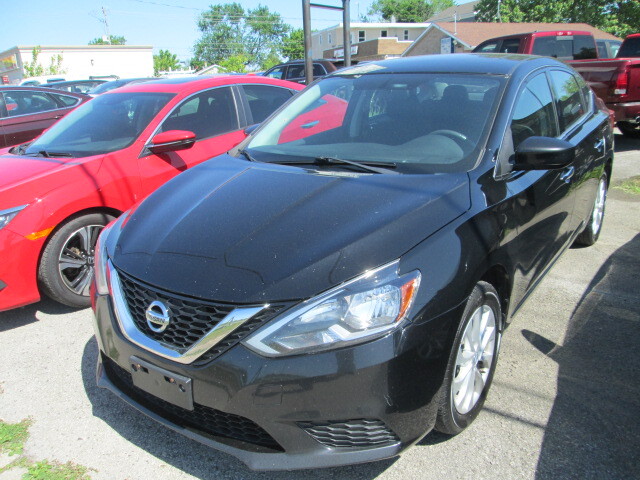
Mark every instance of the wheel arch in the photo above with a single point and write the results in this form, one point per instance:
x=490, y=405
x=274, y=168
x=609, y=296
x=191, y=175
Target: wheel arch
x=499, y=278
x=80, y=213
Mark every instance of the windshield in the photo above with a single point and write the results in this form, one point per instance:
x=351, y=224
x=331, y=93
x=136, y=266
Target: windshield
x=105, y=124
x=424, y=123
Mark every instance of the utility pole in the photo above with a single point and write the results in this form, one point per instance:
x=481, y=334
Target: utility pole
x=106, y=25
x=306, y=25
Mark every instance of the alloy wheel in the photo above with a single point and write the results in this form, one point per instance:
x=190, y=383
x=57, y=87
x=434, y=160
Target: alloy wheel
x=474, y=359
x=76, y=260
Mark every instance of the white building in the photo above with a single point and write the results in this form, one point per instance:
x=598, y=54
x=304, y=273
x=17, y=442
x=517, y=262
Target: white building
x=331, y=37
x=80, y=62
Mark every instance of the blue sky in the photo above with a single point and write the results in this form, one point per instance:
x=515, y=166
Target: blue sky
x=165, y=24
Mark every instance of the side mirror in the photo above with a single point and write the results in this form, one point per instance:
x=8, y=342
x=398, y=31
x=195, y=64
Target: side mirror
x=251, y=128
x=171, y=141
x=543, y=153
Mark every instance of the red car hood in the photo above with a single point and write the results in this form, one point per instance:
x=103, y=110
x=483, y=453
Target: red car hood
x=17, y=169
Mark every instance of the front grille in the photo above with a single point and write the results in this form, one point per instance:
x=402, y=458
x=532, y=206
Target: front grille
x=202, y=419
x=191, y=319
x=351, y=433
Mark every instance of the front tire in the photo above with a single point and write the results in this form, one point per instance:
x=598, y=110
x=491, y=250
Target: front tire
x=591, y=232
x=66, y=266
x=472, y=361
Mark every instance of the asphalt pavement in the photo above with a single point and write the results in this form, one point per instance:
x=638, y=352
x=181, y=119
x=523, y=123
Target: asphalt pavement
x=565, y=401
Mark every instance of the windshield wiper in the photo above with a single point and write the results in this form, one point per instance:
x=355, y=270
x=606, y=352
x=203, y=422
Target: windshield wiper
x=366, y=166
x=246, y=155
x=46, y=154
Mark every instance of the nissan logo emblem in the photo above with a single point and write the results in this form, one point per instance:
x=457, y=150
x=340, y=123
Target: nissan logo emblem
x=157, y=316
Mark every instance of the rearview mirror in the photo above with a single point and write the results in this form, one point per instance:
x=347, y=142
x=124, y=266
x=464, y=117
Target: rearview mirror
x=543, y=153
x=171, y=141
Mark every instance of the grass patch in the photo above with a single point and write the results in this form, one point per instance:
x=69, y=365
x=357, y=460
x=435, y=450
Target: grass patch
x=46, y=470
x=12, y=439
x=13, y=436
x=630, y=185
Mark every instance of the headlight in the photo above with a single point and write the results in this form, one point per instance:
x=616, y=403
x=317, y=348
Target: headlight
x=100, y=262
x=7, y=215
x=366, y=307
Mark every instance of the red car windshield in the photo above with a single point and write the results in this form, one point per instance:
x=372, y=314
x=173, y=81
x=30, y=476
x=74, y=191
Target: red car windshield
x=103, y=125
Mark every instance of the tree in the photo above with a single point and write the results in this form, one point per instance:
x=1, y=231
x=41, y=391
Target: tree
x=293, y=47
x=408, y=10
x=113, y=40
x=617, y=17
x=164, y=61
x=35, y=69
x=235, y=63
x=228, y=30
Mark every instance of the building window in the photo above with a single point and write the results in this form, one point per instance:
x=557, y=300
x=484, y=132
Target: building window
x=329, y=40
x=383, y=33
x=361, y=36
x=406, y=34
x=320, y=39
x=351, y=38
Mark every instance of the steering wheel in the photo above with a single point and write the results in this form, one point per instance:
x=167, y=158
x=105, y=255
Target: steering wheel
x=452, y=134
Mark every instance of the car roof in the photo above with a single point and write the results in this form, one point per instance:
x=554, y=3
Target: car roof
x=9, y=88
x=545, y=33
x=483, y=63
x=196, y=83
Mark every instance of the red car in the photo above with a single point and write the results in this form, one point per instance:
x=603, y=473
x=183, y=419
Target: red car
x=26, y=111
x=57, y=192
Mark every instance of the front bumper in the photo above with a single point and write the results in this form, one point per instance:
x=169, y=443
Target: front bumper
x=626, y=112
x=18, y=266
x=353, y=405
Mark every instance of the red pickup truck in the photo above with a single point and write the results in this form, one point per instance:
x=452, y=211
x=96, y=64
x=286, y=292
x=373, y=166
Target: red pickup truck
x=617, y=82
x=561, y=44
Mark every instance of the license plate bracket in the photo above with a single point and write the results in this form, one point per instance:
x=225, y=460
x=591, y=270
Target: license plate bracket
x=164, y=384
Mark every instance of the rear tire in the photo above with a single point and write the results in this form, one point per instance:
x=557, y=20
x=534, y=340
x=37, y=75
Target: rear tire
x=629, y=129
x=591, y=232
x=66, y=266
x=472, y=361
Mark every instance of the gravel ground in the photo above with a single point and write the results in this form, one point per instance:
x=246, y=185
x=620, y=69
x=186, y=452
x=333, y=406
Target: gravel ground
x=565, y=401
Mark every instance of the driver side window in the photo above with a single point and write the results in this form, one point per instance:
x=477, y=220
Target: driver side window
x=533, y=114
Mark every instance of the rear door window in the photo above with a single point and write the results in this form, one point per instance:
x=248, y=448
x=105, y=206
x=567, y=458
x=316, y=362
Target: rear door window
x=295, y=71
x=568, y=96
x=264, y=100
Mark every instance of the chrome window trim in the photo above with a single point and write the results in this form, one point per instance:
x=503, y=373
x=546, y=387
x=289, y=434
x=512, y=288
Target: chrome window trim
x=42, y=111
x=128, y=327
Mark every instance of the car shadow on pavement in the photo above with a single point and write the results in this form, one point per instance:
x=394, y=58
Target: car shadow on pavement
x=625, y=144
x=20, y=317
x=185, y=454
x=592, y=431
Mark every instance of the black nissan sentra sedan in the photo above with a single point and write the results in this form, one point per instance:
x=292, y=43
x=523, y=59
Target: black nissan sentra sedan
x=337, y=286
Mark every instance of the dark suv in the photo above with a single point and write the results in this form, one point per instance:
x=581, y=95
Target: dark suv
x=294, y=70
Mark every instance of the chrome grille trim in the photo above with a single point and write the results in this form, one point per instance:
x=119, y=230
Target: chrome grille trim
x=128, y=327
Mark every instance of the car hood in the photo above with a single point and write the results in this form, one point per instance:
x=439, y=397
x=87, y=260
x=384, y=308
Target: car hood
x=233, y=231
x=17, y=169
